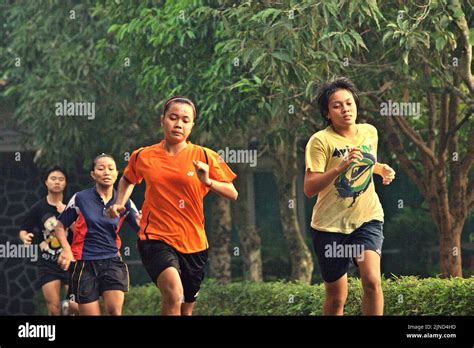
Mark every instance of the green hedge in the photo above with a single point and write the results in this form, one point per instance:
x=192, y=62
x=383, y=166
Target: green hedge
x=403, y=296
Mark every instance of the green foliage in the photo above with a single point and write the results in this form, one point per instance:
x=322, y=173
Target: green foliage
x=172, y=50
x=415, y=235
x=403, y=296
x=430, y=296
x=246, y=63
x=51, y=56
x=283, y=51
x=415, y=39
x=142, y=300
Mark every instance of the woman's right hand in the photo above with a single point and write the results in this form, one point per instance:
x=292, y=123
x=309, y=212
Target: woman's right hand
x=354, y=155
x=26, y=237
x=65, y=258
x=115, y=210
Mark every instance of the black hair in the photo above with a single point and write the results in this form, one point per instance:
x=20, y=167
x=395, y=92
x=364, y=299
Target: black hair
x=54, y=168
x=179, y=99
x=327, y=89
x=102, y=155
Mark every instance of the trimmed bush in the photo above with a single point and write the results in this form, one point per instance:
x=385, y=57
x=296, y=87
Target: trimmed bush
x=403, y=296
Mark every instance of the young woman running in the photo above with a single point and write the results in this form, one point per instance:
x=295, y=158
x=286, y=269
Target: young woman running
x=178, y=175
x=99, y=269
x=38, y=228
x=347, y=219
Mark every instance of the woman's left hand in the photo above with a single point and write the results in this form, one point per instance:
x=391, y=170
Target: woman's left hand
x=387, y=173
x=202, y=170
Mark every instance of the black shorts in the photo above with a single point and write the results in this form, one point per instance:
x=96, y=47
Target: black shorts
x=156, y=256
x=90, y=278
x=335, y=251
x=49, y=271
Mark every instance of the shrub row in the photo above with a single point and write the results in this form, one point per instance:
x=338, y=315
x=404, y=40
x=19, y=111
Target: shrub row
x=403, y=296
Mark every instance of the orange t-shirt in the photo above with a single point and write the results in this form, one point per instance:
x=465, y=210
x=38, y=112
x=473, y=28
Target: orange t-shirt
x=173, y=210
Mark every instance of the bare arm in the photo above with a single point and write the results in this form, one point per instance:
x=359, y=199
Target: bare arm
x=224, y=189
x=315, y=182
x=124, y=191
x=66, y=256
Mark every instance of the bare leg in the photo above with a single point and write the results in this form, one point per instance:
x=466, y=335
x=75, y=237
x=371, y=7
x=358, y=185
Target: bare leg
x=336, y=295
x=52, y=296
x=171, y=288
x=187, y=308
x=92, y=308
x=73, y=308
x=372, y=301
x=113, y=301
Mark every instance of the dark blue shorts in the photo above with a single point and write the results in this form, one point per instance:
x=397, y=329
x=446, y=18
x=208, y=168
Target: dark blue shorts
x=335, y=251
x=90, y=278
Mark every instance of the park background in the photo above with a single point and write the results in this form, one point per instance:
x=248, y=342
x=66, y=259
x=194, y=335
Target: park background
x=253, y=69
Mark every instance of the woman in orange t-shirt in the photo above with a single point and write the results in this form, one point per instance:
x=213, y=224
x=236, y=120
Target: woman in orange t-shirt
x=178, y=174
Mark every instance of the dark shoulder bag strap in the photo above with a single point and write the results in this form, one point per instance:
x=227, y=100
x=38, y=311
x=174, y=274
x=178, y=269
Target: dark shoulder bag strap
x=205, y=154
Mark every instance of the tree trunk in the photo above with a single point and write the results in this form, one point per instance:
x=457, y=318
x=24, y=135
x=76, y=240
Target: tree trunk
x=450, y=252
x=448, y=214
x=219, y=240
x=286, y=175
x=250, y=241
x=449, y=232
x=450, y=239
